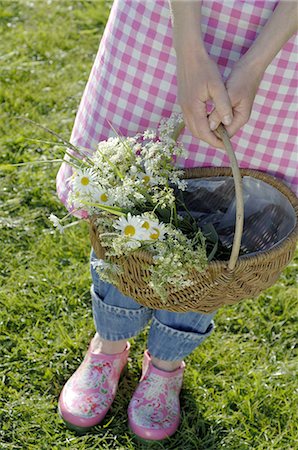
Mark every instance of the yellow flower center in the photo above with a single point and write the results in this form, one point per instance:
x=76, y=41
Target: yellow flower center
x=85, y=181
x=104, y=198
x=156, y=234
x=129, y=230
x=146, y=225
x=146, y=179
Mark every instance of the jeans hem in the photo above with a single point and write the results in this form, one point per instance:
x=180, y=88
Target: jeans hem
x=108, y=318
x=182, y=342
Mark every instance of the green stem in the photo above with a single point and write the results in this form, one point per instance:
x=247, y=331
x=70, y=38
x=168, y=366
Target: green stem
x=146, y=195
x=3, y=166
x=60, y=138
x=185, y=208
x=111, y=209
x=122, y=141
x=108, y=234
x=80, y=161
x=175, y=215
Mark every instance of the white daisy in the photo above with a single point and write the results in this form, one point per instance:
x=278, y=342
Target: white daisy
x=83, y=180
x=155, y=230
x=101, y=196
x=131, y=227
x=147, y=178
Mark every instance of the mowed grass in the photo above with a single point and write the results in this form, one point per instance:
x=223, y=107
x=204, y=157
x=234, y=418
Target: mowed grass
x=239, y=387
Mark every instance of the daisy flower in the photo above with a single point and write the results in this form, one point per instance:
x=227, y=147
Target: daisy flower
x=154, y=229
x=157, y=232
x=131, y=227
x=147, y=178
x=101, y=196
x=83, y=180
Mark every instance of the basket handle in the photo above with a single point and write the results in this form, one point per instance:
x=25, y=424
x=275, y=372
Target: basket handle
x=222, y=133
x=238, y=193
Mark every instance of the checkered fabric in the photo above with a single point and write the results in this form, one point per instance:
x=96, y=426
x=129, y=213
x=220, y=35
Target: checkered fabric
x=133, y=84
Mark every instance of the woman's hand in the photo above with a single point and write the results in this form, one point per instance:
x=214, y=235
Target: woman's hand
x=199, y=81
x=198, y=77
x=242, y=86
x=244, y=80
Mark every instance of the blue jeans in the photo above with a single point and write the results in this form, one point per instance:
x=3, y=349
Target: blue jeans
x=172, y=336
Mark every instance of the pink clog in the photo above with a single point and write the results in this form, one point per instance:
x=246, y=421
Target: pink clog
x=90, y=391
x=154, y=410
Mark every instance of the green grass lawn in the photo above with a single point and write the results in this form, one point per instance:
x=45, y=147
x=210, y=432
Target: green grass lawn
x=239, y=388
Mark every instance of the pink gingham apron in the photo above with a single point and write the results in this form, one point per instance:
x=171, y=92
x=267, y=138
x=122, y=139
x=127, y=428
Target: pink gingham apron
x=133, y=85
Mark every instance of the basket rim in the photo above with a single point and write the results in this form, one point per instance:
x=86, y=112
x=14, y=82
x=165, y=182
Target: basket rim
x=245, y=260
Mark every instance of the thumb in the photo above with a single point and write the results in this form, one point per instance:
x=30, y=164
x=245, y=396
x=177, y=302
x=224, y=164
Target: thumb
x=222, y=105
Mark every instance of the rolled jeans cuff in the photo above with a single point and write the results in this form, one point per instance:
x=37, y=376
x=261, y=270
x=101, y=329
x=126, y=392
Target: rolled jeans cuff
x=114, y=322
x=172, y=345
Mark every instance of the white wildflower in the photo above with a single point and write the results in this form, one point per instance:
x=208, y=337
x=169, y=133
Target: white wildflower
x=149, y=134
x=137, y=148
x=133, y=244
x=101, y=265
x=182, y=185
x=76, y=200
x=56, y=222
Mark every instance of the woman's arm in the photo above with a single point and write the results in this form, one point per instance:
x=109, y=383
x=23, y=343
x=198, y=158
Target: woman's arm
x=247, y=73
x=198, y=77
x=280, y=27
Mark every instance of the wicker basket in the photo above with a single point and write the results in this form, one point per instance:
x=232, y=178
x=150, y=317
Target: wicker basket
x=223, y=282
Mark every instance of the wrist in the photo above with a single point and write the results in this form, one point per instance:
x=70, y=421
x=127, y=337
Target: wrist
x=254, y=64
x=190, y=51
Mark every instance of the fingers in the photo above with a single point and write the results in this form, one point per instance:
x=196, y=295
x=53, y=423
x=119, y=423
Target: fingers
x=237, y=122
x=240, y=119
x=222, y=112
x=214, y=120
x=199, y=127
x=241, y=116
x=194, y=92
x=222, y=104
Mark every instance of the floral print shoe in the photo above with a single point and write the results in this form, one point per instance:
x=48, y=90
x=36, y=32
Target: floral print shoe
x=154, y=410
x=90, y=391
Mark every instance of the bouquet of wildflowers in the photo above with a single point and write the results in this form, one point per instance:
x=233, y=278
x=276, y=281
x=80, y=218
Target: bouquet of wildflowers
x=129, y=188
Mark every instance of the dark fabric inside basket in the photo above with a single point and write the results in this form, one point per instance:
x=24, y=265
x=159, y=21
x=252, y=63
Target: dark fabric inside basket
x=268, y=215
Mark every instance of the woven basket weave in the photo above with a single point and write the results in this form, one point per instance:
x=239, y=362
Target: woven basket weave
x=223, y=282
